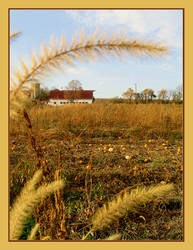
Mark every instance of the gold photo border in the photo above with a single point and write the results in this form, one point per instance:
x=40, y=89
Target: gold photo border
x=188, y=136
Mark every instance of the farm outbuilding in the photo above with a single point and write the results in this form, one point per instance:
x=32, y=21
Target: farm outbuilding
x=61, y=97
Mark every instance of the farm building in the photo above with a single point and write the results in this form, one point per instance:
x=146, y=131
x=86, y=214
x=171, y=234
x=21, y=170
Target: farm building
x=58, y=97
x=61, y=97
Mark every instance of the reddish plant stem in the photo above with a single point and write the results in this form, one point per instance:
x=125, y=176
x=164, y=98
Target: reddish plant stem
x=32, y=139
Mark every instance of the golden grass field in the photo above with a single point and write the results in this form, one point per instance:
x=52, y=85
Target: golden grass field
x=146, y=119
x=99, y=151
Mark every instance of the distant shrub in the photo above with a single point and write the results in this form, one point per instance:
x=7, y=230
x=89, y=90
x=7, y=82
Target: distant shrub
x=118, y=100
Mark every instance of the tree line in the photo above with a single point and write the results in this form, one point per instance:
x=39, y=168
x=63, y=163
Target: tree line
x=149, y=96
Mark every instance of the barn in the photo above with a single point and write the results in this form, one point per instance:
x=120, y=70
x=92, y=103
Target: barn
x=60, y=97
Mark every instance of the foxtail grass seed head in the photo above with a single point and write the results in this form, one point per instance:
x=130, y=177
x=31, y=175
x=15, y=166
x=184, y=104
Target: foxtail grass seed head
x=123, y=203
x=93, y=47
x=26, y=202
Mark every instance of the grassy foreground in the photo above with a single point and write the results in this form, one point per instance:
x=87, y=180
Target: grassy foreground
x=101, y=150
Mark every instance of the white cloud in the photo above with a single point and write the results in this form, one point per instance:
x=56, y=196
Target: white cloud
x=76, y=70
x=163, y=25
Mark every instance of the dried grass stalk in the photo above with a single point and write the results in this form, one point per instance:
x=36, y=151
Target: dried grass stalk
x=51, y=215
x=31, y=137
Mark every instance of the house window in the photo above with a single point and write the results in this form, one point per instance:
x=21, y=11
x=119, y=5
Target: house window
x=61, y=102
x=54, y=102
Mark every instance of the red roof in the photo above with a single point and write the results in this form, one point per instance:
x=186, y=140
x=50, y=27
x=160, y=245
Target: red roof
x=67, y=94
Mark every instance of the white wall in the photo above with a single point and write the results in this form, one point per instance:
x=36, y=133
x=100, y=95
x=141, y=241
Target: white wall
x=60, y=102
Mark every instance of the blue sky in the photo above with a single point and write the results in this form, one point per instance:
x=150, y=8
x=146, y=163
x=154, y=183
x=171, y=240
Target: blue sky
x=108, y=78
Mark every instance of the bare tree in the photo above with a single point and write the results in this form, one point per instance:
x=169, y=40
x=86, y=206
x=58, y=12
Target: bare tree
x=171, y=95
x=179, y=91
x=74, y=89
x=176, y=95
x=74, y=85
